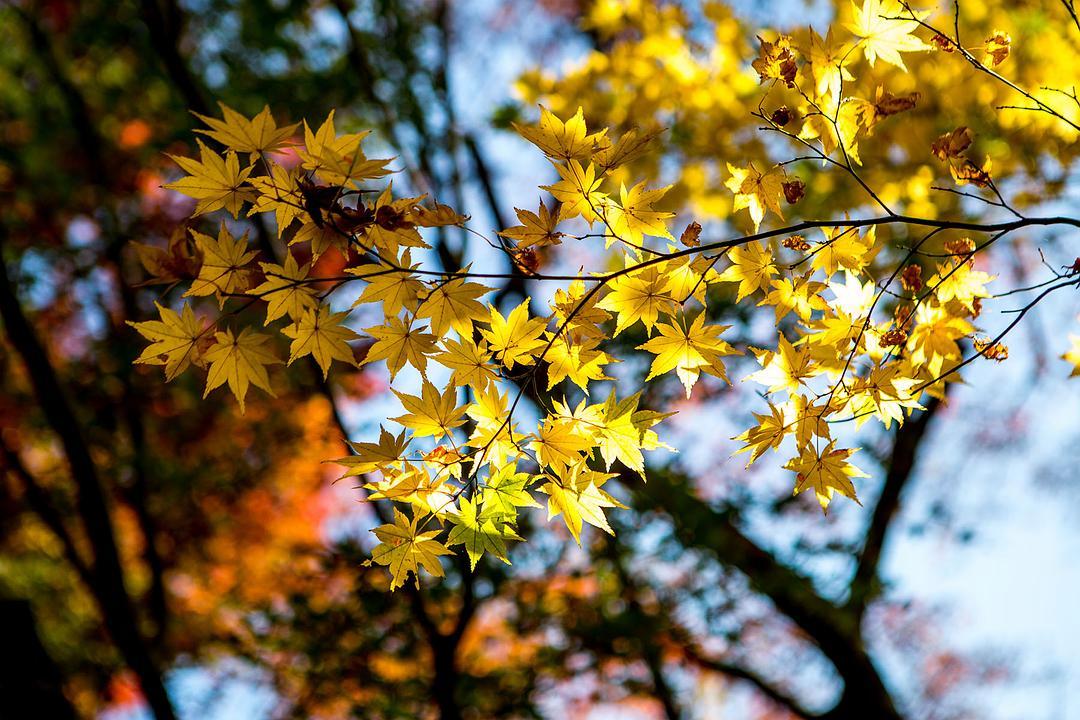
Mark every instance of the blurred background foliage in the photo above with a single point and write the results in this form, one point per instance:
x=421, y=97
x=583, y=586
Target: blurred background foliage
x=152, y=542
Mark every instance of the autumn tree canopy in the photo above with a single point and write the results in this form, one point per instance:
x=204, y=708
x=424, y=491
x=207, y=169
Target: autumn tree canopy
x=861, y=333
x=795, y=237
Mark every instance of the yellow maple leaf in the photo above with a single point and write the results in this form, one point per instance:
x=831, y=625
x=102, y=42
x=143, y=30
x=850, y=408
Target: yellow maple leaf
x=631, y=145
x=828, y=67
x=580, y=361
x=831, y=335
x=845, y=248
x=448, y=462
x=536, y=228
x=635, y=217
x=453, y=304
x=576, y=310
x=321, y=334
x=562, y=140
x=409, y=484
x=583, y=419
x=578, y=498
x=843, y=130
x=433, y=413
x=688, y=350
x=170, y=264
x=578, y=191
x=284, y=290
x=494, y=433
x=516, y=337
x=1073, y=355
x=800, y=295
x=622, y=432
x=279, y=192
x=854, y=298
x=755, y=191
x=885, y=30
x=240, y=361
x=768, y=433
x=809, y=418
x=559, y=444
x=885, y=104
x=224, y=259
x=934, y=338
x=438, y=216
x=395, y=289
x=751, y=266
x=215, y=182
x=398, y=343
x=393, y=228
x=958, y=281
x=404, y=549
x=640, y=295
x=689, y=277
x=369, y=457
x=339, y=159
x=826, y=473
x=884, y=393
x=469, y=362
x=785, y=369
x=319, y=238
x=173, y=340
x=775, y=60
x=236, y=132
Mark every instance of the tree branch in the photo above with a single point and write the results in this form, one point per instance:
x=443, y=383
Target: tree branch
x=112, y=595
x=865, y=584
x=38, y=500
x=647, y=628
x=831, y=628
x=739, y=672
x=98, y=174
x=30, y=681
x=165, y=27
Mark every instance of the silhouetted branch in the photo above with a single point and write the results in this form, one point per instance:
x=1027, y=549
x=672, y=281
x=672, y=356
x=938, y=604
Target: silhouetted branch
x=112, y=596
x=165, y=25
x=834, y=630
x=739, y=672
x=909, y=436
x=31, y=684
x=37, y=498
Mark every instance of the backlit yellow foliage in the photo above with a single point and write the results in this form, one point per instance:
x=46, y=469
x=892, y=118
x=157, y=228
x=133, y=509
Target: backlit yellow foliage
x=836, y=259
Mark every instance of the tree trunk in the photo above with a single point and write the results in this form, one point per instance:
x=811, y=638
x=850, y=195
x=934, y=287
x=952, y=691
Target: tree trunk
x=108, y=587
x=31, y=684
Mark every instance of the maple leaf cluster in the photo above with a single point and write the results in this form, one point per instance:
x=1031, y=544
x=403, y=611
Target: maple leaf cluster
x=856, y=338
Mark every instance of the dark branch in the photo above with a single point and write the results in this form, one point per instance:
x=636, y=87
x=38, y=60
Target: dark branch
x=866, y=585
x=739, y=672
x=834, y=630
x=112, y=596
x=37, y=498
